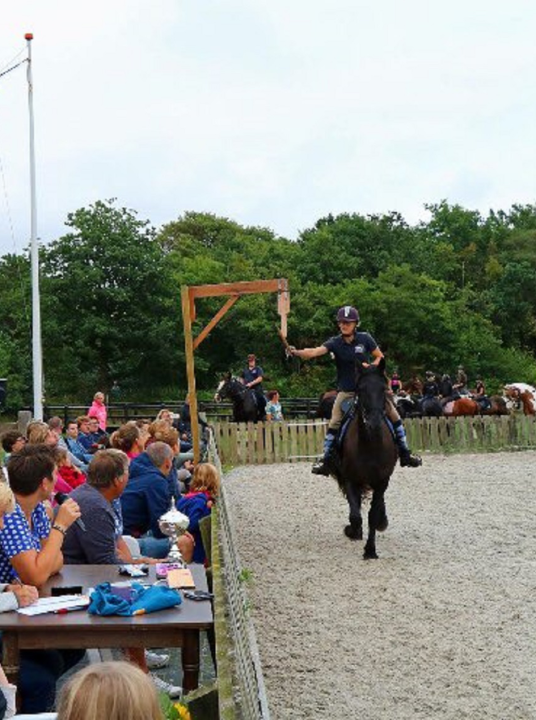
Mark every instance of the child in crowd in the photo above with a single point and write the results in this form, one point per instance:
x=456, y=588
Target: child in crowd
x=273, y=407
x=68, y=477
x=109, y=691
x=128, y=439
x=198, y=502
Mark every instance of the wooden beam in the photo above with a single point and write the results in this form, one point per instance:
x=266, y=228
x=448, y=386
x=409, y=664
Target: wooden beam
x=215, y=320
x=190, y=369
x=238, y=288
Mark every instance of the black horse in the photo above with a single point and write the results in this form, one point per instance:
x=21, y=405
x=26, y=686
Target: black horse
x=368, y=457
x=246, y=407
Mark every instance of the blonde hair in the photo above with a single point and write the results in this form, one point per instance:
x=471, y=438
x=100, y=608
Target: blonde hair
x=7, y=499
x=37, y=432
x=205, y=477
x=161, y=414
x=163, y=431
x=109, y=691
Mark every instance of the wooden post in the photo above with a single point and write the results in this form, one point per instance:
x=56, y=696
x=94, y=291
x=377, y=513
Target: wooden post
x=190, y=370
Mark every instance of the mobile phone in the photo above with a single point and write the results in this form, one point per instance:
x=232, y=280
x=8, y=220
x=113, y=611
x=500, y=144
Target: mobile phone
x=66, y=590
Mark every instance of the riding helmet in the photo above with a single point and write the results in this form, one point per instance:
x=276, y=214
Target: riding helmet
x=348, y=314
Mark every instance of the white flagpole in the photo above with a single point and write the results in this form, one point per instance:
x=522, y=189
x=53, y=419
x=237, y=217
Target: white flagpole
x=37, y=356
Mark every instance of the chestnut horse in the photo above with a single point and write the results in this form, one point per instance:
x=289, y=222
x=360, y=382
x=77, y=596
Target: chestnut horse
x=464, y=406
x=368, y=457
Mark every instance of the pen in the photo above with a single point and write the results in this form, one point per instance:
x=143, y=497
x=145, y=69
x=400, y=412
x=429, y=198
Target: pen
x=64, y=611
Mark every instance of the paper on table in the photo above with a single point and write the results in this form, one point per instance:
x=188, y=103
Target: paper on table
x=53, y=604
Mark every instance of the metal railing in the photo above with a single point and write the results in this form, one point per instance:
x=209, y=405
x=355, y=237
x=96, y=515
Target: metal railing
x=119, y=413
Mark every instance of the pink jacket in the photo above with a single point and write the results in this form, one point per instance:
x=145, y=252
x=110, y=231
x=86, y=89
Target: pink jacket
x=99, y=411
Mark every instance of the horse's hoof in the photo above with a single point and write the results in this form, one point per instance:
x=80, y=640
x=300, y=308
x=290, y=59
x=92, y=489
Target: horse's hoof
x=353, y=533
x=383, y=525
x=370, y=555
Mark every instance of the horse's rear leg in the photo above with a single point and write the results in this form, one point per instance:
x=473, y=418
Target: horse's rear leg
x=354, y=530
x=377, y=520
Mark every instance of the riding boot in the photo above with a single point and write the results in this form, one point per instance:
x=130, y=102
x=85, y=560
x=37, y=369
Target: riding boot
x=404, y=453
x=321, y=467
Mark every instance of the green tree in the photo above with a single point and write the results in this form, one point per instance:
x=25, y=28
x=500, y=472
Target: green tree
x=109, y=305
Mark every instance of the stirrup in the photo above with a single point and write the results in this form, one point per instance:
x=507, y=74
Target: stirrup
x=320, y=468
x=409, y=460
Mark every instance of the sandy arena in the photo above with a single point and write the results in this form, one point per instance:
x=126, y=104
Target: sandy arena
x=443, y=625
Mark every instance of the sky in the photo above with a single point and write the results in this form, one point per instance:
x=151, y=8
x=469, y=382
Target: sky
x=270, y=112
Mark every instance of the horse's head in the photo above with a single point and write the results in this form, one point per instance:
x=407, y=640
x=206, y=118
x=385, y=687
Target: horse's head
x=371, y=386
x=222, y=391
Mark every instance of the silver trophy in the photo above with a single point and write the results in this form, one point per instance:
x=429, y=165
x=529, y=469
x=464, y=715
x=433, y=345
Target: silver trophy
x=174, y=524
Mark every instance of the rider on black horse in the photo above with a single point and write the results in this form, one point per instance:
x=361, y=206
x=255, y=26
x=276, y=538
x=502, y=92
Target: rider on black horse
x=349, y=348
x=253, y=376
x=430, y=388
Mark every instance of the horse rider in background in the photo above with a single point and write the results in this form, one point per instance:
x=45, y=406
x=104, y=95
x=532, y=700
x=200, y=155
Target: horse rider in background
x=461, y=382
x=430, y=389
x=252, y=376
x=350, y=347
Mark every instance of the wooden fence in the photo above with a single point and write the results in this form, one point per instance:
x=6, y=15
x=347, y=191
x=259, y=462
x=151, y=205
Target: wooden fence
x=250, y=444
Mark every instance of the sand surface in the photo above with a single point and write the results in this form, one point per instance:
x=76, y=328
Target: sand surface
x=442, y=625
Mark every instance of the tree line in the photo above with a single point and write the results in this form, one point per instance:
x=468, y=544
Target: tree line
x=456, y=288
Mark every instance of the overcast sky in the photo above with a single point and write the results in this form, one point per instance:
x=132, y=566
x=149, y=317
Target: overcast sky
x=270, y=112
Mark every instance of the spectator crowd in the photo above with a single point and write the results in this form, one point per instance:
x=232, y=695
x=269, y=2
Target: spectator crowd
x=118, y=484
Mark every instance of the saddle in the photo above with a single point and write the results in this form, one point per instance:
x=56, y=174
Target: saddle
x=349, y=414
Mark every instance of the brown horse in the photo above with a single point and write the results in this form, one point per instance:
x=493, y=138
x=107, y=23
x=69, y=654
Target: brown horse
x=464, y=406
x=497, y=406
x=368, y=457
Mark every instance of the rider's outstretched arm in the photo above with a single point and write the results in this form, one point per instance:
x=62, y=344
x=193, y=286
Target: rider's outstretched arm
x=309, y=353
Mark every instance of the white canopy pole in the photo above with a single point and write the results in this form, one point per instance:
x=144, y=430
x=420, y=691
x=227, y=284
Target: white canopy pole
x=37, y=355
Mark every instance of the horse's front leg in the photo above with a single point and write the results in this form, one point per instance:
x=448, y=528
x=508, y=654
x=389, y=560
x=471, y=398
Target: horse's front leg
x=377, y=520
x=354, y=530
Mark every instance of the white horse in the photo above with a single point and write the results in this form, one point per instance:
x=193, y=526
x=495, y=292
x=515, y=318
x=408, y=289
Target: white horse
x=521, y=388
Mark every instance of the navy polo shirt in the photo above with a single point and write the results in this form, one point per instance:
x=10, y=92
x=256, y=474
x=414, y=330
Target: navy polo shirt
x=348, y=354
x=251, y=374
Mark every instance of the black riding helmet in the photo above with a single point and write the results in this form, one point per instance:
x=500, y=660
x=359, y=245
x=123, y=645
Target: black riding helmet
x=348, y=314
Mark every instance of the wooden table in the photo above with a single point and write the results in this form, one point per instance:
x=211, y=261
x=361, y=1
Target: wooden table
x=174, y=627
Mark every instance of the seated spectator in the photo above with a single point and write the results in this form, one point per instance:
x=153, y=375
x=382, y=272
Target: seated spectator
x=56, y=425
x=128, y=439
x=39, y=433
x=98, y=410
x=198, y=502
x=31, y=549
x=147, y=497
x=166, y=415
x=100, y=437
x=161, y=431
x=11, y=598
x=109, y=691
x=143, y=425
x=97, y=545
x=85, y=438
x=12, y=442
x=71, y=476
x=273, y=407
x=73, y=445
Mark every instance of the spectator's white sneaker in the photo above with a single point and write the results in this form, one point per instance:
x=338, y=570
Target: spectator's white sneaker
x=173, y=691
x=155, y=661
